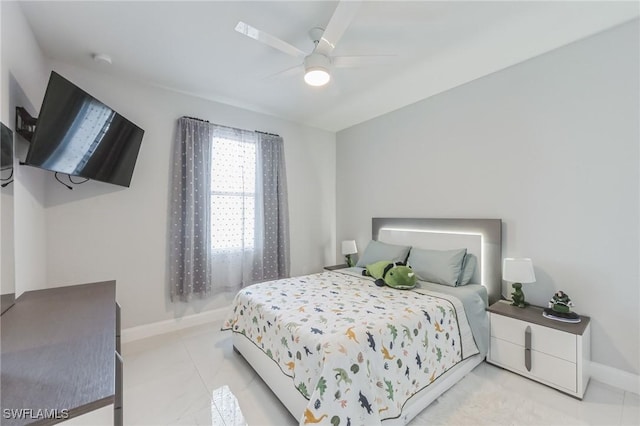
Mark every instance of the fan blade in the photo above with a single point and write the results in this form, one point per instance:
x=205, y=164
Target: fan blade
x=269, y=40
x=297, y=69
x=338, y=24
x=361, y=61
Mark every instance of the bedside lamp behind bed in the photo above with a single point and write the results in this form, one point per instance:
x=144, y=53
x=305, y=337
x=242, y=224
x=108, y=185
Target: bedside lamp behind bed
x=349, y=248
x=518, y=271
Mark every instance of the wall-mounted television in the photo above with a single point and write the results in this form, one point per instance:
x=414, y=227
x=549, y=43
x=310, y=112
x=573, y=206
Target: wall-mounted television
x=78, y=135
x=6, y=148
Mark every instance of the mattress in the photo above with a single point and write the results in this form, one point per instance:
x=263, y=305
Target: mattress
x=355, y=351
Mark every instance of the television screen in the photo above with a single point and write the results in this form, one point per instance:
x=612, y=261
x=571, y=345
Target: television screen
x=78, y=135
x=6, y=146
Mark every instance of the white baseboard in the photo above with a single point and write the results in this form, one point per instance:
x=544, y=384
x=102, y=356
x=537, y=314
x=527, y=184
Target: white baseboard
x=167, y=326
x=614, y=377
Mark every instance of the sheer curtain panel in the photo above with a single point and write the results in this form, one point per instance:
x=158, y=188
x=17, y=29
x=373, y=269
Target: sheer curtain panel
x=233, y=214
x=190, y=217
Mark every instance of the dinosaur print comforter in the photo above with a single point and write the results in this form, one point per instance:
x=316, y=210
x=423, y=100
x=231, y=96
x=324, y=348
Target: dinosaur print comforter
x=357, y=352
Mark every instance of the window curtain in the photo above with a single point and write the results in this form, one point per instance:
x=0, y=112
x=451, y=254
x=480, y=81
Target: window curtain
x=190, y=212
x=229, y=225
x=272, y=261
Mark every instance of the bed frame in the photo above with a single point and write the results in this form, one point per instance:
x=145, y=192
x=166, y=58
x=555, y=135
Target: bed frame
x=482, y=237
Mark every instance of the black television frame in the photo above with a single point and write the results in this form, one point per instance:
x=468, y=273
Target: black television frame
x=111, y=162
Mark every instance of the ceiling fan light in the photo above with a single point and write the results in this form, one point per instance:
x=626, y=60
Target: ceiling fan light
x=316, y=69
x=317, y=76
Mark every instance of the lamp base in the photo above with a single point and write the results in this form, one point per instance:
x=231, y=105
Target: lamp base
x=517, y=297
x=348, y=260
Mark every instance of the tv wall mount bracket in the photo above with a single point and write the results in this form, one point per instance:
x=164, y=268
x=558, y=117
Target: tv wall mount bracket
x=25, y=123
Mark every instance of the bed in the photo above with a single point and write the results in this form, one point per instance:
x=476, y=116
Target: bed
x=337, y=349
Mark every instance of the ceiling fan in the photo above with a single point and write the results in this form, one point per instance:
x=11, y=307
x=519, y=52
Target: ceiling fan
x=318, y=63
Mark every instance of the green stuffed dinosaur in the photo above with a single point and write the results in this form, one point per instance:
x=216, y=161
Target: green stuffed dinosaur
x=396, y=275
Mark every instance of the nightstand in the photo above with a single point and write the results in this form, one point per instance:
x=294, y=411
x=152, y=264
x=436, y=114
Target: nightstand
x=551, y=352
x=334, y=267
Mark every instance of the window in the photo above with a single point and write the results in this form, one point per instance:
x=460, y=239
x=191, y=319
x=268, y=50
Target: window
x=233, y=183
x=229, y=224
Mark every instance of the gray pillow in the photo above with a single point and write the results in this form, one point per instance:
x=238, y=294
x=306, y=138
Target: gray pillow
x=437, y=266
x=468, y=268
x=377, y=251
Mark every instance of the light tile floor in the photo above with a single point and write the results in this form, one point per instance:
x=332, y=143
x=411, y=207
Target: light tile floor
x=193, y=377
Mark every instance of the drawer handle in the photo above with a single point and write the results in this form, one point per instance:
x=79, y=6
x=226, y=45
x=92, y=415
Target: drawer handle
x=527, y=348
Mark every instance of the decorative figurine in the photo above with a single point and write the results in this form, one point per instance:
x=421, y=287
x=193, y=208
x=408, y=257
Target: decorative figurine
x=517, y=296
x=561, y=303
x=560, y=308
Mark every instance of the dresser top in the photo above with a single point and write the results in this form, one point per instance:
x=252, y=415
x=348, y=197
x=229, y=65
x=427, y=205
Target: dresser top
x=58, y=351
x=533, y=314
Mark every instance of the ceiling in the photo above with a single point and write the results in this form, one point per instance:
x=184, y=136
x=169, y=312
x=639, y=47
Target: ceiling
x=191, y=47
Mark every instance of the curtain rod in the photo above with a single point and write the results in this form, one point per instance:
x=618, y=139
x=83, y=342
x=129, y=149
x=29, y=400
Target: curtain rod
x=267, y=133
x=207, y=121
x=197, y=119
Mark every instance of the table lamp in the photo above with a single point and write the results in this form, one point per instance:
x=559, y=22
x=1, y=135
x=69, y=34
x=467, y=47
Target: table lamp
x=349, y=248
x=518, y=271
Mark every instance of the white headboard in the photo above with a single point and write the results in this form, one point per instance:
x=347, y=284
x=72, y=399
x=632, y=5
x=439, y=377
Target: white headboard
x=481, y=237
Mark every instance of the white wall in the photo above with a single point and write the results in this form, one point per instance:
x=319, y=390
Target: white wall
x=23, y=80
x=551, y=147
x=100, y=231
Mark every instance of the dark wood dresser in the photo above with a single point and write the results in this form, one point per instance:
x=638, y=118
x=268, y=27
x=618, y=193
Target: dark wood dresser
x=61, y=355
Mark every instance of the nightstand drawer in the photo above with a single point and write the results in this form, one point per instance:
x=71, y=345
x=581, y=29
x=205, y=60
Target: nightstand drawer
x=543, y=339
x=544, y=368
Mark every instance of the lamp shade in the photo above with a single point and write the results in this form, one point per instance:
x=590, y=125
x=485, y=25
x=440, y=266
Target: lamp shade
x=349, y=247
x=518, y=270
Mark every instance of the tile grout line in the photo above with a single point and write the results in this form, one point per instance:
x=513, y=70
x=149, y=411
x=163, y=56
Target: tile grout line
x=201, y=378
